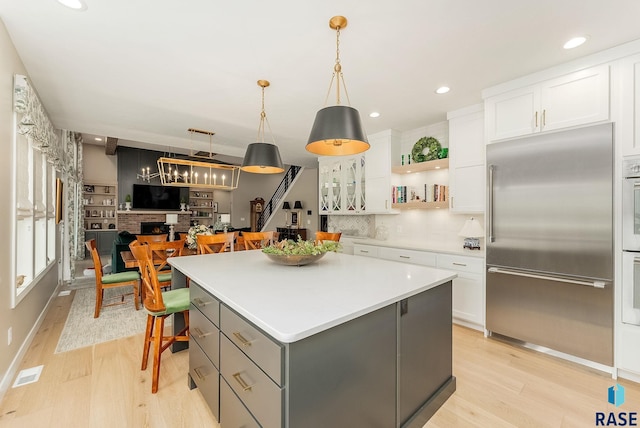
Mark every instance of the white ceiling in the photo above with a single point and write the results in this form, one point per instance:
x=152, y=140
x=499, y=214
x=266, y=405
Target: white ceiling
x=144, y=71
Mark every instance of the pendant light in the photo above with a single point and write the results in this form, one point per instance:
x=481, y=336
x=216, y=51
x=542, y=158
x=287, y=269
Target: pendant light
x=261, y=157
x=337, y=129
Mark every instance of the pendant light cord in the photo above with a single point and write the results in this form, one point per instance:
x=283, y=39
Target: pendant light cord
x=337, y=70
x=263, y=119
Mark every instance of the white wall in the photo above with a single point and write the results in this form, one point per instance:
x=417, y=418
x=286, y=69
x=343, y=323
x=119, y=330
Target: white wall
x=304, y=190
x=23, y=318
x=98, y=167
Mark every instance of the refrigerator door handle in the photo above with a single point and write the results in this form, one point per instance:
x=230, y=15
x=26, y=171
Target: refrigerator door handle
x=490, y=207
x=595, y=284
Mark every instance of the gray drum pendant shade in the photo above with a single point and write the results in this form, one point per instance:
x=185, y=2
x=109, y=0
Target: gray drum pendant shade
x=337, y=131
x=262, y=158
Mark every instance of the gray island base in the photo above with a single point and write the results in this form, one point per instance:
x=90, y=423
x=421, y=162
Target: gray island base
x=347, y=342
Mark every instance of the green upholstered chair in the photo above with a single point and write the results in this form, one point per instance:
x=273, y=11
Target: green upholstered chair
x=159, y=305
x=122, y=279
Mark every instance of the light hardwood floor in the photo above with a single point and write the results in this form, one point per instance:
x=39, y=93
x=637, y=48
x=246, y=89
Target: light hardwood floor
x=498, y=385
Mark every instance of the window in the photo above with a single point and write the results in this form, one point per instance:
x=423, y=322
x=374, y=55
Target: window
x=35, y=149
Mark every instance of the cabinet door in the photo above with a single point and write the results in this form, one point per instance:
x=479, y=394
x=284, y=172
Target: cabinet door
x=467, y=189
x=324, y=180
x=466, y=162
x=468, y=301
x=576, y=99
x=353, y=182
x=424, y=365
x=105, y=242
x=513, y=113
x=378, y=170
x=628, y=115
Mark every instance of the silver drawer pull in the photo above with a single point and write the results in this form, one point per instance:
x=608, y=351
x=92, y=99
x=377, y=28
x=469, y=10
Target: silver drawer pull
x=458, y=264
x=200, y=334
x=197, y=372
x=405, y=257
x=364, y=251
x=199, y=302
x=241, y=338
x=244, y=385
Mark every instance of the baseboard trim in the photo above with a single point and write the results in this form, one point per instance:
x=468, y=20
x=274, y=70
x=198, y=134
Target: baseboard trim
x=5, y=384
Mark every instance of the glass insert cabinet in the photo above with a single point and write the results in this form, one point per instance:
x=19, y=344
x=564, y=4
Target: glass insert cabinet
x=342, y=184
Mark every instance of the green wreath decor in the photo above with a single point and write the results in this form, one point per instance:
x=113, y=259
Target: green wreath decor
x=423, y=143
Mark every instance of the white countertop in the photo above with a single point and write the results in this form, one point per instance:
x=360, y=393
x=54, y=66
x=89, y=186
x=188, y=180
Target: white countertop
x=436, y=247
x=294, y=302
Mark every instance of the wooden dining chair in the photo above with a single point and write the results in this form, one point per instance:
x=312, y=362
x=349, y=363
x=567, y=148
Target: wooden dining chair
x=160, y=253
x=152, y=238
x=257, y=240
x=218, y=243
x=121, y=279
x=327, y=236
x=159, y=305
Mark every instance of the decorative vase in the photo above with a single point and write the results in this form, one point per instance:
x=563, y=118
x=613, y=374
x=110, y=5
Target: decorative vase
x=127, y=206
x=183, y=206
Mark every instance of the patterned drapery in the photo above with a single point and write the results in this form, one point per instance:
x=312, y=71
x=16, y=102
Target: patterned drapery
x=34, y=122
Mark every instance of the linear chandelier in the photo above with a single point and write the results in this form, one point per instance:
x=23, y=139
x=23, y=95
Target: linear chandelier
x=195, y=173
x=190, y=173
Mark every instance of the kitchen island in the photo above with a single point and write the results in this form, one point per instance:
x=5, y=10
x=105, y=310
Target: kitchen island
x=347, y=341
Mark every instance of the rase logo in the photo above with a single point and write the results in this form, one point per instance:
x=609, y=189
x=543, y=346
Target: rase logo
x=615, y=396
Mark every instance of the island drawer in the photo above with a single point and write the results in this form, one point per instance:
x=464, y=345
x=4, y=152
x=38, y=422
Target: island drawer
x=232, y=411
x=258, y=346
x=206, y=377
x=204, y=332
x=365, y=250
x=205, y=302
x=257, y=391
x=408, y=256
x=460, y=263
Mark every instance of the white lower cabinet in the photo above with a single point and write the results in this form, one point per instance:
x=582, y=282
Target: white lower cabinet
x=365, y=250
x=468, y=287
x=408, y=256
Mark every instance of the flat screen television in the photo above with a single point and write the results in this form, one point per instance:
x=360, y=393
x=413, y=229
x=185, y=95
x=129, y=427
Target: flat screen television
x=150, y=197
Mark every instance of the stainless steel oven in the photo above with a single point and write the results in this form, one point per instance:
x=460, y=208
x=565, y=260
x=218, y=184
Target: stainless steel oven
x=631, y=242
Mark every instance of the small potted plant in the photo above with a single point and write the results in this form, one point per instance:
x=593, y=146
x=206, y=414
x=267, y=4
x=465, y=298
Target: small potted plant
x=183, y=203
x=127, y=202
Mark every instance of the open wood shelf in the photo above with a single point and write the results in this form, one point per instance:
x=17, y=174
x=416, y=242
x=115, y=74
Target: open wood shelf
x=420, y=205
x=420, y=167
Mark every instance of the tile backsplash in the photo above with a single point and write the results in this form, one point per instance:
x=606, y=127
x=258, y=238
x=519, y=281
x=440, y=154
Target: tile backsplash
x=437, y=226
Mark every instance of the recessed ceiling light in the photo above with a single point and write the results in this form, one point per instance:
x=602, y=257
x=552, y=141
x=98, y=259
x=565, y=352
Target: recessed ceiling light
x=374, y=114
x=575, y=42
x=442, y=90
x=98, y=139
x=74, y=4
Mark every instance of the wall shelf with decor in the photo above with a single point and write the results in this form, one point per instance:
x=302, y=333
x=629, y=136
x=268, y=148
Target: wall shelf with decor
x=416, y=191
x=202, y=206
x=100, y=206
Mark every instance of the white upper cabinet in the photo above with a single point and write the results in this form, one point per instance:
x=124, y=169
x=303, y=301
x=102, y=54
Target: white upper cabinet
x=574, y=99
x=628, y=124
x=342, y=185
x=384, y=146
x=466, y=160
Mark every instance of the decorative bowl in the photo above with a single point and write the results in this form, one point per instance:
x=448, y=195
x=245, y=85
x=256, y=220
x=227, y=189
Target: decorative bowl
x=295, y=259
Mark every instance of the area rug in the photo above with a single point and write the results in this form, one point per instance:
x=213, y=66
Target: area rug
x=114, y=322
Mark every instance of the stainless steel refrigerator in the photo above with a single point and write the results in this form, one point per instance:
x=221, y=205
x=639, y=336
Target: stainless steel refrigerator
x=550, y=241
